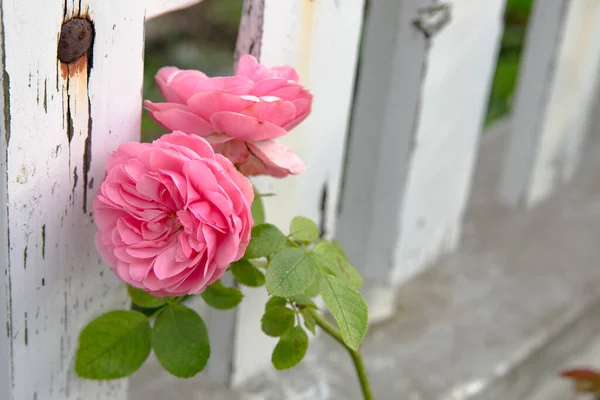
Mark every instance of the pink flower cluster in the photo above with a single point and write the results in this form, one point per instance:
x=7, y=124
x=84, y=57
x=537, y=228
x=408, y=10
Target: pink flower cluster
x=174, y=213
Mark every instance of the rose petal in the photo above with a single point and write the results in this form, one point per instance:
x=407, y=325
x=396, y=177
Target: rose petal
x=240, y=180
x=277, y=112
x=138, y=271
x=303, y=109
x=292, y=92
x=165, y=266
x=278, y=158
x=178, y=85
x=175, y=119
x=150, y=106
x=236, y=151
x=266, y=86
x=247, y=64
x=199, y=145
x=227, y=250
x=229, y=84
x=249, y=67
x=128, y=235
x=124, y=153
x=253, y=167
x=208, y=103
x=199, y=178
x=163, y=79
x=244, y=127
x=217, y=138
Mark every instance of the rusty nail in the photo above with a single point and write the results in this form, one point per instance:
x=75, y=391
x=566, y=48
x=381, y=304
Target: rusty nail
x=76, y=38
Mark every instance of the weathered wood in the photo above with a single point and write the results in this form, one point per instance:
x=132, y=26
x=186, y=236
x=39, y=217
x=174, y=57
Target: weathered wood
x=419, y=113
x=544, y=35
x=460, y=69
x=62, y=121
x=554, y=98
x=386, y=109
x=5, y=342
x=320, y=39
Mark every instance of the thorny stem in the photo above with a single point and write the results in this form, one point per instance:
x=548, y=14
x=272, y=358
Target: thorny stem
x=356, y=357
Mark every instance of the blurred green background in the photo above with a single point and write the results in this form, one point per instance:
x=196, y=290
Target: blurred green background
x=505, y=79
x=203, y=37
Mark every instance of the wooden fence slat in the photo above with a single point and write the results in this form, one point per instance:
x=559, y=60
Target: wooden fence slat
x=221, y=327
x=382, y=135
x=5, y=342
x=320, y=38
x=553, y=102
x=460, y=70
x=419, y=113
x=544, y=35
x=62, y=122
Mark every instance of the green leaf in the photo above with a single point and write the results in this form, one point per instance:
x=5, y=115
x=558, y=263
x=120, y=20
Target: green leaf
x=303, y=300
x=277, y=320
x=145, y=300
x=113, y=346
x=290, y=349
x=258, y=209
x=329, y=256
x=275, y=301
x=180, y=341
x=260, y=263
x=304, y=230
x=348, y=308
x=290, y=271
x=247, y=274
x=309, y=320
x=313, y=289
x=221, y=297
x=266, y=240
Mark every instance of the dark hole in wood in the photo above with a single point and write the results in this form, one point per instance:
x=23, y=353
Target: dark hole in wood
x=76, y=37
x=323, y=215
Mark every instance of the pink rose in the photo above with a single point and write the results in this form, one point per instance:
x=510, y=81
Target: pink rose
x=172, y=214
x=241, y=115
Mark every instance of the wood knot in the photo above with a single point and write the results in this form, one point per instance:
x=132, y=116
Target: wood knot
x=76, y=37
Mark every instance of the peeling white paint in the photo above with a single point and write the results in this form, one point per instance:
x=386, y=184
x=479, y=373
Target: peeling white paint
x=63, y=124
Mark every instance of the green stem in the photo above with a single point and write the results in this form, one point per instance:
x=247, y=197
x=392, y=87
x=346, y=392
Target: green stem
x=177, y=300
x=356, y=357
x=293, y=243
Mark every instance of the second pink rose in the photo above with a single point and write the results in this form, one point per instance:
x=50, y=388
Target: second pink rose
x=241, y=115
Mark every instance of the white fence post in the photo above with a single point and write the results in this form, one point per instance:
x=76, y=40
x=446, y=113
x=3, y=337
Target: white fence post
x=420, y=108
x=61, y=122
x=554, y=99
x=5, y=341
x=319, y=38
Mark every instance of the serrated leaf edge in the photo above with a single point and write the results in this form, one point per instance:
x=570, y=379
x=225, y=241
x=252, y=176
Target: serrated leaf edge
x=345, y=319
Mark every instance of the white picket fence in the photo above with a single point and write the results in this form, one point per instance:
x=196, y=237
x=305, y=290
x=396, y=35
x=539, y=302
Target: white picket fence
x=392, y=185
